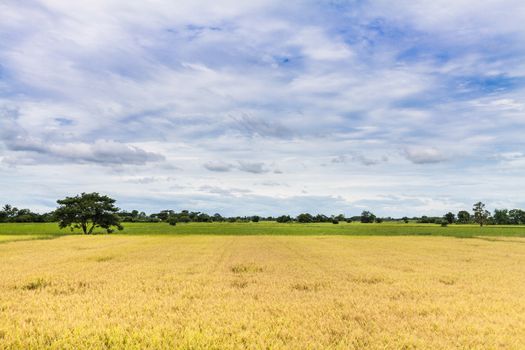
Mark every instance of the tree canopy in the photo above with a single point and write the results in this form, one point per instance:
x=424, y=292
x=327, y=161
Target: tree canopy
x=367, y=217
x=87, y=212
x=481, y=215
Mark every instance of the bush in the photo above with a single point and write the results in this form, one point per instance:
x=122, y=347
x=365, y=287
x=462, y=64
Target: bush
x=305, y=218
x=444, y=223
x=172, y=221
x=367, y=217
x=335, y=222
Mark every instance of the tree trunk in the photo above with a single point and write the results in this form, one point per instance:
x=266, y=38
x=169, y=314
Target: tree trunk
x=84, y=228
x=92, y=228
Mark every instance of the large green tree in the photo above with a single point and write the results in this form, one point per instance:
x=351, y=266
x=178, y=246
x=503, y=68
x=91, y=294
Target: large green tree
x=88, y=211
x=463, y=217
x=305, y=218
x=516, y=216
x=501, y=216
x=481, y=215
x=449, y=217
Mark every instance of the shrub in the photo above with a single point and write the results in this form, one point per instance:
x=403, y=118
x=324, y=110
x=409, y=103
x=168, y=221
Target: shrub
x=305, y=218
x=367, y=217
x=172, y=221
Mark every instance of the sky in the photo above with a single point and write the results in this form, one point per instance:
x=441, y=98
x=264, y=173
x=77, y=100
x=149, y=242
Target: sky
x=405, y=107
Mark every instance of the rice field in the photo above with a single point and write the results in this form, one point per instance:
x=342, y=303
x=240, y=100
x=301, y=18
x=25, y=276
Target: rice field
x=50, y=230
x=262, y=292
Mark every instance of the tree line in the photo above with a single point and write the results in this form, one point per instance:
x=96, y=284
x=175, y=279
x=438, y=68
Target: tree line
x=88, y=211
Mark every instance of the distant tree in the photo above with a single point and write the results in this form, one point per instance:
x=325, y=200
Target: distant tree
x=340, y=217
x=25, y=215
x=516, y=216
x=449, y=217
x=8, y=213
x=429, y=220
x=335, y=221
x=256, y=218
x=183, y=217
x=379, y=220
x=217, y=217
x=5, y=213
x=463, y=217
x=321, y=218
x=367, y=217
x=172, y=220
x=405, y=219
x=283, y=219
x=202, y=217
x=501, y=216
x=88, y=211
x=481, y=215
x=305, y=218
x=165, y=214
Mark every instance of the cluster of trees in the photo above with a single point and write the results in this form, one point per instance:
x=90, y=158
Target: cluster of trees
x=365, y=217
x=13, y=214
x=88, y=211
x=482, y=216
x=186, y=216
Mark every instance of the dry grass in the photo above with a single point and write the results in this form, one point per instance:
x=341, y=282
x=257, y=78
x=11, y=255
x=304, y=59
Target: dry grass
x=275, y=292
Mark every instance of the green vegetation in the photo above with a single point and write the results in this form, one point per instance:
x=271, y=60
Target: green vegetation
x=93, y=213
x=87, y=212
x=16, y=231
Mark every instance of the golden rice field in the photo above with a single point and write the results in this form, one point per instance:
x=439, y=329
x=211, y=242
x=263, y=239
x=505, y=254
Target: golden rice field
x=262, y=292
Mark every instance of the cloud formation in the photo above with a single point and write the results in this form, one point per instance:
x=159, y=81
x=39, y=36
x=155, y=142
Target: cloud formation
x=354, y=103
x=253, y=167
x=424, y=155
x=218, y=166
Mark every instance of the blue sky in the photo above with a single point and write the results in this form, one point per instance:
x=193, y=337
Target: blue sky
x=264, y=107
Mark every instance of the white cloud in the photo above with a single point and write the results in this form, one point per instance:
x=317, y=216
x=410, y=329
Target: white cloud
x=424, y=155
x=237, y=95
x=253, y=167
x=218, y=166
